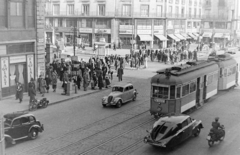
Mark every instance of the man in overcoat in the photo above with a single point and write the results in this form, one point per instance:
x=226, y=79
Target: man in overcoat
x=120, y=73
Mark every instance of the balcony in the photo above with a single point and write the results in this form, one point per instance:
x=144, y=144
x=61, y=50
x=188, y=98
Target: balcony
x=78, y=13
x=216, y=17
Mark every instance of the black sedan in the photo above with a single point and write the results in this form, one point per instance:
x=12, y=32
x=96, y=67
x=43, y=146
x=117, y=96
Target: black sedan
x=170, y=131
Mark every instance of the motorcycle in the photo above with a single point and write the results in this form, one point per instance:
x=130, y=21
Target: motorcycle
x=37, y=104
x=213, y=137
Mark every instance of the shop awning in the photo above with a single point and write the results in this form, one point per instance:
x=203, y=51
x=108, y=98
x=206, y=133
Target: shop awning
x=145, y=37
x=218, y=35
x=161, y=37
x=226, y=35
x=196, y=34
x=185, y=35
x=192, y=36
x=173, y=37
x=207, y=34
x=180, y=36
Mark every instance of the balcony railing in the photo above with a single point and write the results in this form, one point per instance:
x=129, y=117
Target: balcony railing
x=124, y=15
x=216, y=17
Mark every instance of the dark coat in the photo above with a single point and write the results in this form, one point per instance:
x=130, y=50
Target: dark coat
x=120, y=72
x=32, y=93
x=85, y=80
x=20, y=91
x=100, y=81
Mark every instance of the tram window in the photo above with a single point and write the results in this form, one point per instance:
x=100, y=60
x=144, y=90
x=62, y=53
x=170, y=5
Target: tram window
x=185, y=90
x=209, y=79
x=161, y=92
x=178, y=92
x=221, y=73
x=225, y=72
x=234, y=70
x=192, y=87
x=172, y=92
x=215, y=76
x=229, y=71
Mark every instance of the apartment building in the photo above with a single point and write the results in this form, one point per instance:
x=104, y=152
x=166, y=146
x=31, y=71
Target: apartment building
x=219, y=22
x=22, y=52
x=157, y=23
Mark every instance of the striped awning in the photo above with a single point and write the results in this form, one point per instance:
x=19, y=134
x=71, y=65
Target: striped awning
x=180, y=36
x=192, y=36
x=145, y=37
x=173, y=37
x=185, y=35
x=207, y=34
x=218, y=35
x=161, y=37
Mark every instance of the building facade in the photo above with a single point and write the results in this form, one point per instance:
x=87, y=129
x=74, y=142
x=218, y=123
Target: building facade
x=220, y=21
x=157, y=23
x=22, y=52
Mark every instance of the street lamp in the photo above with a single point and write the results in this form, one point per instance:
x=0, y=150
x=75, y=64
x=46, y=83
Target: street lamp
x=74, y=29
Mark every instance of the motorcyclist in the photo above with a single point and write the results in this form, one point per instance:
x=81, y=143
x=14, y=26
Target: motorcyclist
x=216, y=127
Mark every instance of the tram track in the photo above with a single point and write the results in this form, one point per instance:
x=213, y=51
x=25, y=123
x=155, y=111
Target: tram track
x=84, y=128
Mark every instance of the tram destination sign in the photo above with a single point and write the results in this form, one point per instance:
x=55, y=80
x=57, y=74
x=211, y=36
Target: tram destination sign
x=159, y=100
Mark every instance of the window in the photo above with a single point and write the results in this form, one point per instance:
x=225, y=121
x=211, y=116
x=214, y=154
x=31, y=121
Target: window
x=170, y=11
x=103, y=23
x=101, y=9
x=32, y=119
x=190, y=12
x=60, y=21
x=56, y=9
x=184, y=123
x=25, y=120
x=185, y=90
x=17, y=122
x=126, y=22
x=117, y=89
x=20, y=48
x=192, y=86
x=144, y=10
x=143, y=22
x=85, y=9
x=126, y=10
x=31, y=14
x=69, y=22
x=225, y=72
x=172, y=92
x=160, y=92
x=159, y=10
x=16, y=14
x=176, y=10
x=200, y=12
x=3, y=16
x=126, y=89
x=179, y=92
x=195, y=12
x=158, y=22
x=130, y=87
x=70, y=9
x=177, y=1
x=209, y=79
x=183, y=2
x=190, y=2
x=183, y=11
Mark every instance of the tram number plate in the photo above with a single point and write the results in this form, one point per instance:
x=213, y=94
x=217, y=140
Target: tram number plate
x=159, y=100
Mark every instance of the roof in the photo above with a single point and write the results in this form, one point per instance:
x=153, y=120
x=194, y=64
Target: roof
x=185, y=73
x=173, y=119
x=123, y=84
x=16, y=114
x=224, y=60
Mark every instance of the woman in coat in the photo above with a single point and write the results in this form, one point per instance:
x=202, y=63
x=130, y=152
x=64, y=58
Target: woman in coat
x=42, y=85
x=19, y=91
x=100, y=81
x=85, y=80
x=32, y=94
x=54, y=81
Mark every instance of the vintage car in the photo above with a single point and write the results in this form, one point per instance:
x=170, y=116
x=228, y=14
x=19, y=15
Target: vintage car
x=20, y=125
x=170, y=131
x=121, y=93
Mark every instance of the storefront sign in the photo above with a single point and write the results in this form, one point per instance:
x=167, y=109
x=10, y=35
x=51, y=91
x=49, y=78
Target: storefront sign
x=144, y=27
x=5, y=72
x=125, y=32
x=144, y=32
x=17, y=59
x=85, y=30
x=171, y=31
x=30, y=66
x=108, y=31
x=158, y=31
x=160, y=27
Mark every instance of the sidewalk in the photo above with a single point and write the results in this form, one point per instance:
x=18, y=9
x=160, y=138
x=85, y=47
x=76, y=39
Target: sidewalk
x=9, y=104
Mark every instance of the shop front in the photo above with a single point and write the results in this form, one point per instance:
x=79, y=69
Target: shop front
x=103, y=33
x=144, y=39
x=86, y=36
x=207, y=37
x=17, y=65
x=172, y=39
x=126, y=35
x=159, y=40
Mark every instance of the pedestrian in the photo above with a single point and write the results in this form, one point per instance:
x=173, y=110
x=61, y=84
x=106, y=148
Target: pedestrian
x=32, y=94
x=42, y=85
x=47, y=79
x=107, y=80
x=19, y=92
x=65, y=81
x=85, y=80
x=100, y=81
x=31, y=84
x=120, y=73
x=54, y=80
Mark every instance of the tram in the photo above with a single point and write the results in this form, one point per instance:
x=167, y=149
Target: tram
x=180, y=88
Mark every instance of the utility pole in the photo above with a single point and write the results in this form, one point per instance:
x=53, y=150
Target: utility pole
x=74, y=36
x=133, y=23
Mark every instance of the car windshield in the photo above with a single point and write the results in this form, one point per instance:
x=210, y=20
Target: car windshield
x=7, y=123
x=117, y=89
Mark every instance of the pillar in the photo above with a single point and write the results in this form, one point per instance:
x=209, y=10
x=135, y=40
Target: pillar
x=152, y=34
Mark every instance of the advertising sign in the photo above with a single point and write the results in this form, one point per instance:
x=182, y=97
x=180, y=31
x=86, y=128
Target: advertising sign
x=30, y=66
x=17, y=59
x=5, y=72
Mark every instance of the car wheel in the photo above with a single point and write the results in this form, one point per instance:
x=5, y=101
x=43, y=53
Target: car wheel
x=33, y=134
x=134, y=97
x=104, y=105
x=119, y=104
x=46, y=104
x=197, y=132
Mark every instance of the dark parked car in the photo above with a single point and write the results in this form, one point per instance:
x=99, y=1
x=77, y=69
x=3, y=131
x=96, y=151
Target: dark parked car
x=170, y=131
x=121, y=93
x=21, y=125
